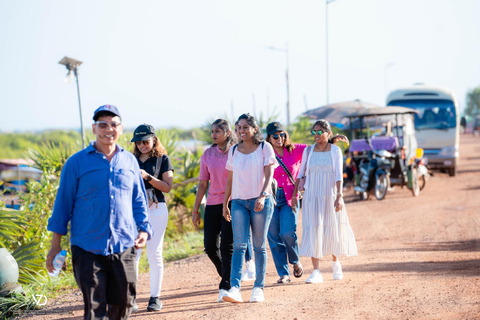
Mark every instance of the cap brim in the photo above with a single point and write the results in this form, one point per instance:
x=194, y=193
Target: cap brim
x=142, y=138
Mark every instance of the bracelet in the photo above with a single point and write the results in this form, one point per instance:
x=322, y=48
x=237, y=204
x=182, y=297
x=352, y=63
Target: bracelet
x=340, y=194
x=195, y=212
x=149, y=178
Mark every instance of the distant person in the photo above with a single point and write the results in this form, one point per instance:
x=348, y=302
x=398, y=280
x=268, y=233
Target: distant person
x=250, y=164
x=102, y=196
x=157, y=173
x=217, y=234
x=326, y=230
x=282, y=235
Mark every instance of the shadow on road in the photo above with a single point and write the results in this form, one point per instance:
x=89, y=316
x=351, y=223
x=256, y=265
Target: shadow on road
x=465, y=268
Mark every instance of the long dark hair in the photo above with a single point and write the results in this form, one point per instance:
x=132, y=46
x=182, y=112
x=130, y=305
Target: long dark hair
x=325, y=125
x=226, y=127
x=257, y=137
x=287, y=143
x=157, y=150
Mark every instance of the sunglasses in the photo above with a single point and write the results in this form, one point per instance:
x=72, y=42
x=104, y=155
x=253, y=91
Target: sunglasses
x=276, y=136
x=105, y=124
x=144, y=142
x=319, y=132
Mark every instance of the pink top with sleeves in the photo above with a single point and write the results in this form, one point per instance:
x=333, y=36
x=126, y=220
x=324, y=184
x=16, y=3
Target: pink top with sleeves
x=212, y=167
x=248, y=171
x=293, y=161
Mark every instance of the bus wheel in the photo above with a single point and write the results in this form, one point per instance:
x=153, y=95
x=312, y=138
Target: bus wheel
x=452, y=172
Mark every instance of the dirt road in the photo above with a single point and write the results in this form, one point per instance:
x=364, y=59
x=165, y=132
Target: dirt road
x=419, y=258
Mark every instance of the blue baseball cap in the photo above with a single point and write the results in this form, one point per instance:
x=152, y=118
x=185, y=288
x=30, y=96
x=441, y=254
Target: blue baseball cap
x=106, y=108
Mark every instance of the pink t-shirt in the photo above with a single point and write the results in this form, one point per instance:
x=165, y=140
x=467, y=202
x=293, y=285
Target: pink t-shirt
x=292, y=161
x=212, y=167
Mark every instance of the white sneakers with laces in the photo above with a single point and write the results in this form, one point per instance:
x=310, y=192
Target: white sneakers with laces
x=257, y=295
x=233, y=295
x=315, y=277
x=249, y=273
x=221, y=293
x=337, y=270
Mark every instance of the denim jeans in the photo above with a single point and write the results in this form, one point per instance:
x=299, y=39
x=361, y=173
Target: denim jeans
x=244, y=217
x=282, y=235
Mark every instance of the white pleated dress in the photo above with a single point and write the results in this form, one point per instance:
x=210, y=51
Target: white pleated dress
x=325, y=231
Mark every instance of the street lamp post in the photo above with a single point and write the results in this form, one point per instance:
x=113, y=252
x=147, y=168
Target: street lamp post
x=72, y=67
x=388, y=65
x=327, y=2
x=287, y=79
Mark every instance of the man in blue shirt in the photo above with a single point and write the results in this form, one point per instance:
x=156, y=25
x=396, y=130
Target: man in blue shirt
x=102, y=196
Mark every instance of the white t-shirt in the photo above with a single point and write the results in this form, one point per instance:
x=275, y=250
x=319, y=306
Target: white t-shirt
x=248, y=171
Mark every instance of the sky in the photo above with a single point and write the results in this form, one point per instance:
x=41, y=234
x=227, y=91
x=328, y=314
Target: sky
x=185, y=63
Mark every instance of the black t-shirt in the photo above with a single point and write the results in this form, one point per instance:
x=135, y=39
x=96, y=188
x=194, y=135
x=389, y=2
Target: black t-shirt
x=149, y=167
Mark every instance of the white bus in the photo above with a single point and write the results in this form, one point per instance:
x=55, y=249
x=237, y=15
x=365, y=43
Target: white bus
x=436, y=124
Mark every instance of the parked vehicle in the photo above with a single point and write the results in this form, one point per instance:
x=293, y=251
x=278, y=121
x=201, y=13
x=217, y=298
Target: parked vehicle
x=387, y=160
x=437, y=123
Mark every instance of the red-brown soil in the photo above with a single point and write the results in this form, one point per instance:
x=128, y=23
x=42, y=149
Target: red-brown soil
x=419, y=258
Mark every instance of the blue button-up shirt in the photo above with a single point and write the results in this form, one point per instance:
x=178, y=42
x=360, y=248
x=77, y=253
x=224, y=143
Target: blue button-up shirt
x=104, y=201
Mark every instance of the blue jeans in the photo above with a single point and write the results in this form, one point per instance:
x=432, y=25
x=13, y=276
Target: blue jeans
x=244, y=217
x=282, y=235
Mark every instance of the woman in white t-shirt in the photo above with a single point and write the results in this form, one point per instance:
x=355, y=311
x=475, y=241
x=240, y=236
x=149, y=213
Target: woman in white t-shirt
x=250, y=164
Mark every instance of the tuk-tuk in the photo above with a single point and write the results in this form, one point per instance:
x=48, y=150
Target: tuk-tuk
x=387, y=158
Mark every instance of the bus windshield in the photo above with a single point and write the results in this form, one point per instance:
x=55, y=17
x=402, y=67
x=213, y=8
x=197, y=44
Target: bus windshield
x=432, y=114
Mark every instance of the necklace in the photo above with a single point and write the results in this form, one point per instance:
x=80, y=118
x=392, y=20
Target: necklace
x=323, y=148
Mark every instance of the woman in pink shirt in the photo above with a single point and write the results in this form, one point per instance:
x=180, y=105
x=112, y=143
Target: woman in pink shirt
x=282, y=236
x=212, y=169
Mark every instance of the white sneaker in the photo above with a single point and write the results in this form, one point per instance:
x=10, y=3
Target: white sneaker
x=337, y=270
x=221, y=293
x=233, y=295
x=249, y=273
x=257, y=295
x=315, y=277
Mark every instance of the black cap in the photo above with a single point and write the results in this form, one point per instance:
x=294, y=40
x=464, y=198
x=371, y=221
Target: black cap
x=106, y=108
x=143, y=132
x=274, y=127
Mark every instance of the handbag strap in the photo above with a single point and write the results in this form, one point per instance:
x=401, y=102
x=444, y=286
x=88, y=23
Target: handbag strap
x=157, y=167
x=289, y=174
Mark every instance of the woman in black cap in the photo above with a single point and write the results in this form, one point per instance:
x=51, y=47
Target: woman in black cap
x=157, y=173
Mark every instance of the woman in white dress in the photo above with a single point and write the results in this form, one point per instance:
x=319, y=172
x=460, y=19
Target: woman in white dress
x=326, y=229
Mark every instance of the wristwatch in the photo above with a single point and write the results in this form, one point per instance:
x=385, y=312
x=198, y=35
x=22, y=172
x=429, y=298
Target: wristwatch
x=263, y=194
x=149, y=178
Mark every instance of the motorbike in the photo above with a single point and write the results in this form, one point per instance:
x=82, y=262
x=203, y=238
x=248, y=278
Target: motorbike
x=374, y=174
x=387, y=160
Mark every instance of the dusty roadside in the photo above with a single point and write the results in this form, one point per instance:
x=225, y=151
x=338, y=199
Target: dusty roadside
x=419, y=258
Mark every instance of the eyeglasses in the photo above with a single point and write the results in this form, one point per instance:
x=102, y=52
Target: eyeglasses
x=276, y=136
x=144, y=142
x=319, y=132
x=105, y=124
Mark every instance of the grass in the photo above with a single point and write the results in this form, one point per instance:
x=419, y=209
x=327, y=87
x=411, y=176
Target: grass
x=183, y=246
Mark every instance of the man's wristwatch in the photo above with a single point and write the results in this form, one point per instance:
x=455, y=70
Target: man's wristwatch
x=149, y=178
x=263, y=194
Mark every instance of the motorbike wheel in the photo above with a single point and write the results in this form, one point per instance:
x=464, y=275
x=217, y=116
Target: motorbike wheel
x=364, y=196
x=381, y=186
x=422, y=181
x=415, y=182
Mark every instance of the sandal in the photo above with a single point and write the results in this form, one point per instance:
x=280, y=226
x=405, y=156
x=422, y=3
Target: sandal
x=284, y=279
x=298, y=272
